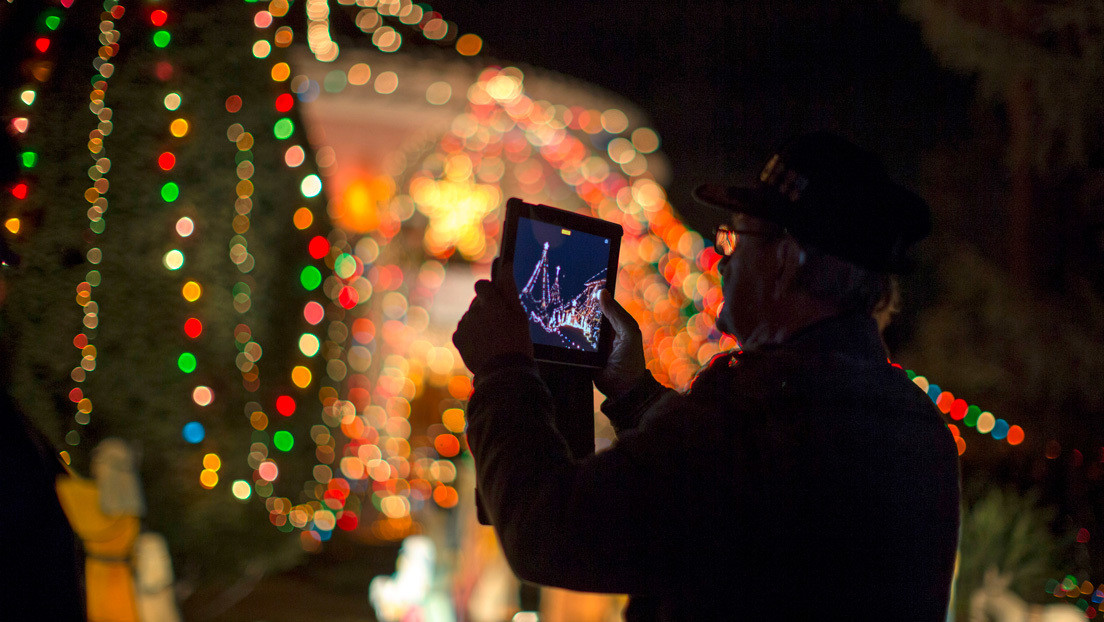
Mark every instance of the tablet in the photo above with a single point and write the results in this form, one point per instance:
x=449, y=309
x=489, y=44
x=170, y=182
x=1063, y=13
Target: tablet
x=561, y=261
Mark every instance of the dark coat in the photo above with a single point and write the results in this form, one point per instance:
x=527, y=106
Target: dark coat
x=41, y=566
x=810, y=479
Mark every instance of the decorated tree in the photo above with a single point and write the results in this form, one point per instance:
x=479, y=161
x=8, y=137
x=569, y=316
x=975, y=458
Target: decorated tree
x=162, y=240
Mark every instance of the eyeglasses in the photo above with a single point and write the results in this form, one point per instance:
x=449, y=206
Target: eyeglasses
x=725, y=238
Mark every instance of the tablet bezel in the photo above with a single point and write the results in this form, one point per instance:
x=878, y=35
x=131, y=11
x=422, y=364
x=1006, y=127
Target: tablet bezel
x=516, y=208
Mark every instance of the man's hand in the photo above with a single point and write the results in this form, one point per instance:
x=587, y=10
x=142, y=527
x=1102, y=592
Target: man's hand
x=495, y=323
x=626, y=366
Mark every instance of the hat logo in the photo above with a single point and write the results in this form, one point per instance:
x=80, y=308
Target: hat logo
x=786, y=181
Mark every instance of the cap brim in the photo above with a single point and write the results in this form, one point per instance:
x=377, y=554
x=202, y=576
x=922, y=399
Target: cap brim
x=739, y=199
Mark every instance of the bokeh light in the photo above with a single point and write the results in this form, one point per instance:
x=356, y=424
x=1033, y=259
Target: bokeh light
x=193, y=432
x=311, y=186
x=309, y=344
x=193, y=328
x=301, y=376
x=283, y=440
x=178, y=127
x=186, y=362
x=310, y=278
x=170, y=192
x=185, y=227
x=313, y=313
x=303, y=218
x=294, y=156
x=203, y=395
x=173, y=259
x=191, y=291
x=469, y=44
x=241, y=489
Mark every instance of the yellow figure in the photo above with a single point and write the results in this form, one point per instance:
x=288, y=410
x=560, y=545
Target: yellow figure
x=105, y=514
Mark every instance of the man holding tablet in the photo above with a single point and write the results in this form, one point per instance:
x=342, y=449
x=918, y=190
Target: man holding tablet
x=803, y=477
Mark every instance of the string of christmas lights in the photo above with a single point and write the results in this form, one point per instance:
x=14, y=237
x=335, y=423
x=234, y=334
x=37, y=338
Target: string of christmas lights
x=38, y=68
x=95, y=195
x=969, y=414
x=325, y=507
x=1088, y=596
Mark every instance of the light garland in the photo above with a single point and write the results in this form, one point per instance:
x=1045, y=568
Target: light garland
x=970, y=415
x=328, y=505
x=95, y=195
x=175, y=260
x=39, y=69
x=1088, y=596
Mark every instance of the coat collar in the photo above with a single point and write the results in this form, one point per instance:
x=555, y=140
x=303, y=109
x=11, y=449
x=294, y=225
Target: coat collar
x=855, y=334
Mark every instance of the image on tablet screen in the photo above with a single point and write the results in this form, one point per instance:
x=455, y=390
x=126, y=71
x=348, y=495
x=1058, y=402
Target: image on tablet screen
x=559, y=273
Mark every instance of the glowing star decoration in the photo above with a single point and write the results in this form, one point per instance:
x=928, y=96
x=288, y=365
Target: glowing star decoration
x=456, y=211
x=362, y=204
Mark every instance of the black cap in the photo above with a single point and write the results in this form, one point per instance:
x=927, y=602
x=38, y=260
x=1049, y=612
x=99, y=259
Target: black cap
x=834, y=196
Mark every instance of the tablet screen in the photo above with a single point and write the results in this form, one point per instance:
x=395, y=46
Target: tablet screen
x=559, y=272
x=561, y=261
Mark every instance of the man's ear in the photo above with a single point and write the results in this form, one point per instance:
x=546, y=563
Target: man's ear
x=789, y=257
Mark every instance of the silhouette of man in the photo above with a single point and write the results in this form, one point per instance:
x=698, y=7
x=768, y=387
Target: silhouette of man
x=801, y=477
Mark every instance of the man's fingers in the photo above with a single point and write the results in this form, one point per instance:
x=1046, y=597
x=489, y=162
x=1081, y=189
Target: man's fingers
x=502, y=275
x=621, y=320
x=484, y=289
x=497, y=293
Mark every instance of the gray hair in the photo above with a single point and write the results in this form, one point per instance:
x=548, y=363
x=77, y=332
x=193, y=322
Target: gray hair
x=850, y=287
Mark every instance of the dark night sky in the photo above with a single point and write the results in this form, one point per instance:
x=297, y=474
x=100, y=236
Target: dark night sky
x=725, y=82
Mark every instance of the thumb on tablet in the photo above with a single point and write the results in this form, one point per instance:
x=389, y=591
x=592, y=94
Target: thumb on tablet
x=623, y=323
x=502, y=275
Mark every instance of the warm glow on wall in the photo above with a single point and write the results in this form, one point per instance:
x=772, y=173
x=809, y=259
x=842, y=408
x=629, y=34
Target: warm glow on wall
x=361, y=204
